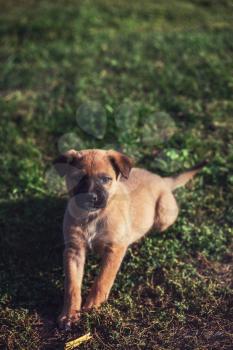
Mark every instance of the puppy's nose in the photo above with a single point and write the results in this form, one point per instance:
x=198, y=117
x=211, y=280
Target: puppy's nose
x=93, y=197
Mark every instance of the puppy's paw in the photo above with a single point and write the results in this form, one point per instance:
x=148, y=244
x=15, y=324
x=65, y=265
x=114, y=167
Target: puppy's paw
x=68, y=319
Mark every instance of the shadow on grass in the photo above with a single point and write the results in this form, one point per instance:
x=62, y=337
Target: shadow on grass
x=31, y=247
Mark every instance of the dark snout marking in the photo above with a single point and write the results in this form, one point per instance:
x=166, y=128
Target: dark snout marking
x=90, y=194
x=86, y=184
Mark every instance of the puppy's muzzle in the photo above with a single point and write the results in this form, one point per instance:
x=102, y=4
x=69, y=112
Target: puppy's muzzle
x=91, y=201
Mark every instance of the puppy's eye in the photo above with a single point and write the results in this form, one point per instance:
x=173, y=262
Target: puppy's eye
x=105, y=179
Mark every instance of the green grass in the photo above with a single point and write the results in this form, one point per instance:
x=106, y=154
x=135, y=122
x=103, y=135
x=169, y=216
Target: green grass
x=137, y=63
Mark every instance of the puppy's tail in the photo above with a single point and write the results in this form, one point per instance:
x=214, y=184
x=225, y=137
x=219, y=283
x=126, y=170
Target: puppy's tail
x=181, y=179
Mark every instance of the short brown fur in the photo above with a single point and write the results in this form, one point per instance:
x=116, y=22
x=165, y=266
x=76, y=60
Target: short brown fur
x=137, y=201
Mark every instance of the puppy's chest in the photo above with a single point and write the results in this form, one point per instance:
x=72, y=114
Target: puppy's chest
x=94, y=231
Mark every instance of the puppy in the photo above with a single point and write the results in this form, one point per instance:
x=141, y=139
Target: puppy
x=111, y=205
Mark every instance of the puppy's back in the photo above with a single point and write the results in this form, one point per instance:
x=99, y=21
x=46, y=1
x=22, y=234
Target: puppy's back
x=142, y=179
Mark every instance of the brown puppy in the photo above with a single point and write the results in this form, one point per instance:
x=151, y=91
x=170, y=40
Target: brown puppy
x=111, y=205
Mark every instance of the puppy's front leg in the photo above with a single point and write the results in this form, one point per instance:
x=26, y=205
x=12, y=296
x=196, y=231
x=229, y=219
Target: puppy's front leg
x=74, y=260
x=111, y=261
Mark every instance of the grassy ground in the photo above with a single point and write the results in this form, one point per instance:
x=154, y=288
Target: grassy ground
x=137, y=64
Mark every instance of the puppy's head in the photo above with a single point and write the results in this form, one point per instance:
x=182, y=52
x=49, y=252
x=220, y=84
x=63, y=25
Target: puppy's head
x=92, y=175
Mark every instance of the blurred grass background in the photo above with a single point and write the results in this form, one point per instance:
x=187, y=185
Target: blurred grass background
x=140, y=63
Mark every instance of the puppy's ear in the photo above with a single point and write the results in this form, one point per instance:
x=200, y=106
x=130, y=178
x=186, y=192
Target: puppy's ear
x=64, y=162
x=120, y=163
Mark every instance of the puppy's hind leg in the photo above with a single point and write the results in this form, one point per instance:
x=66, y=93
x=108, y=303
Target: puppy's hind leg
x=166, y=211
